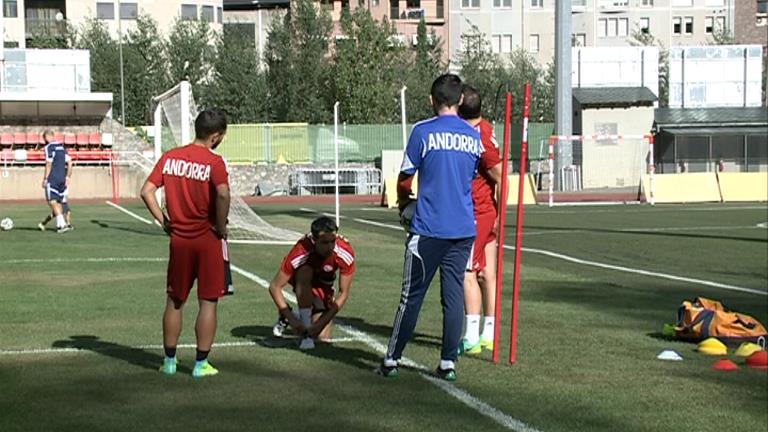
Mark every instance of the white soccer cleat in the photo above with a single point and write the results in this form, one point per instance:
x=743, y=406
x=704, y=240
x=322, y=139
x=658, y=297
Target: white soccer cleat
x=307, y=343
x=41, y=226
x=278, y=330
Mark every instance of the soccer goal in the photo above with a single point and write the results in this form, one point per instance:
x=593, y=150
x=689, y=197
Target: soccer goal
x=605, y=168
x=174, y=118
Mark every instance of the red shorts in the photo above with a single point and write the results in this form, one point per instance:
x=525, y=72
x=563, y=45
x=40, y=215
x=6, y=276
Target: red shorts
x=200, y=258
x=321, y=298
x=485, y=235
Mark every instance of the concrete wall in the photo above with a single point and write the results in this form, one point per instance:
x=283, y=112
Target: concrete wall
x=24, y=183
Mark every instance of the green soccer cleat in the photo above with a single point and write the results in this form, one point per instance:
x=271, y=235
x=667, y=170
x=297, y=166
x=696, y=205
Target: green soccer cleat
x=467, y=348
x=204, y=370
x=486, y=344
x=446, y=374
x=169, y=366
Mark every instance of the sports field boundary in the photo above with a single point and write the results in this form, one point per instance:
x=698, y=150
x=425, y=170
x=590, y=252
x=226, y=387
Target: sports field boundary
x=581, y=261
x=467, y=399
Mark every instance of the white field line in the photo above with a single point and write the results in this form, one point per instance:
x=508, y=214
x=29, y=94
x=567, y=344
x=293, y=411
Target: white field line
x=83, y=260
x=130, y=213
x=643, y=208
x=608, y=266
x=649, y=229
x=464, y=397
x=144, y=347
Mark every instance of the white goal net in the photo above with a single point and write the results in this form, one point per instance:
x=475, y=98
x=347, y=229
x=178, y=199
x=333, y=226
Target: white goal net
x=174, y=118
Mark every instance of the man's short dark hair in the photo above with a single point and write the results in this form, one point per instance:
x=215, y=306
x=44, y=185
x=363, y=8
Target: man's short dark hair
x=209, y=122
x=472, y=105
x=446, y=91
x=323, y=224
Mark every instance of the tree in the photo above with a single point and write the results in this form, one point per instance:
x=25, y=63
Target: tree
x=642, y=37
x=367, y=71
x=189, y=49
x=298, y=71
x=62, y=35
x=427, y=65
x=105, y=60
x=481, y=68
x=721, y=36
x=522, y=69
x=145, y=70
x=238, y=85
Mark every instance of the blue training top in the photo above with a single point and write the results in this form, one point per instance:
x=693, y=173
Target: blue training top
x=56, y=154
x=445, y=150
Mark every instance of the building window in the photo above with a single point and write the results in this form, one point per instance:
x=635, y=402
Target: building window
x=682, y=3
x=129, y=11
x=219, y=15
x=580, y=39
x=688, y=25
x=375, y=2
x=762, y=6
x=646, y=3
x=645, y=25
x=188, y=12
x=10, y=44
x=496, y=44
x=709, y=24
x=602, y=26
x=623, y=26
x=502, y=3
x=465, y=4
x=612, y=27
x=105, y=11
x=506, y=44
x=714, y=3
x=10, y=9
x=206, y=13
x=537, y=3
x=677, y=25
x=533, y=42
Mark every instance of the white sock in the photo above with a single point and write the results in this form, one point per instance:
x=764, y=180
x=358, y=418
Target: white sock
x=488, y=328
x=60, y=223
x=306, y=316
x=472, y=333
x=447, y=364
x=390, y=363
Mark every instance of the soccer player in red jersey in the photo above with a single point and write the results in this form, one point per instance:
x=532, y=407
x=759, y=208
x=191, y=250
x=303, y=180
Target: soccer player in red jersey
x=480, y=278
x=310, y=268
x=197, y=199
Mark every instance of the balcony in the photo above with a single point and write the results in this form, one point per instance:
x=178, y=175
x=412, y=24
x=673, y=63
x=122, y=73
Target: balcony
x=578, y=6
x=45, y=26
x=612, y=6
x=415, y=15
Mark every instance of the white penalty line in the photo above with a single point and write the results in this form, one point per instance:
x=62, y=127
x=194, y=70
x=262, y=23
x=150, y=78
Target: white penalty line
x=217, y=345
x=603, y=265
x=130, y=213
x=464, y=397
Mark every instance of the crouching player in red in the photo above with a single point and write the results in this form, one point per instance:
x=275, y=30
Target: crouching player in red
x=480, y=279
x=197, y=197
x=310, y=268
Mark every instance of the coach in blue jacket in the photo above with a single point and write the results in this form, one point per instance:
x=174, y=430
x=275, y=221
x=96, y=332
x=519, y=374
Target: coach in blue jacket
x=445, y=151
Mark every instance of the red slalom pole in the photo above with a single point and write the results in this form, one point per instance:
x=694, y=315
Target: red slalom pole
x=519, y=226
x=500, y=235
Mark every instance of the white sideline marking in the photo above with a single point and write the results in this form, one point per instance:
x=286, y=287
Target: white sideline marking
x=143, y=347
x=607, y=266
x=128, y=212
x=464, y=397
x=622, y=209
x=763, y=225
x=85, y=260
x=649, y=229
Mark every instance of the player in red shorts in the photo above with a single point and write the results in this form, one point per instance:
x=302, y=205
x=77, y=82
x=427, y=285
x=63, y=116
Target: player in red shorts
x=197, y=198
x=480, y=278
x=310, y=268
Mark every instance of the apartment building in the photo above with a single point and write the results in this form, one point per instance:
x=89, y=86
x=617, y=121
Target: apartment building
x=23, y=18
x=530, y=24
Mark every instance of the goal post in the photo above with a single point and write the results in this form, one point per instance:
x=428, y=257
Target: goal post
x=174, y=116
x=605, y=168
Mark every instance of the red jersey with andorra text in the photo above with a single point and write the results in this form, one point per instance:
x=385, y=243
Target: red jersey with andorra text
x=483, y=186
x=323, y=269
x=190, y=175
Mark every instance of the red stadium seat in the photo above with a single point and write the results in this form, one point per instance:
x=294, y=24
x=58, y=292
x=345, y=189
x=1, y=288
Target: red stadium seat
x=70, y=139
x=19, y=138
x=82, y=139
x=94, y=139
x=58, y=137
x=6, y=139
x=33, y=138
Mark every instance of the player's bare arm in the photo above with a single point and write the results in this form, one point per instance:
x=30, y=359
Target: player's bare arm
x=404, y=190
x=345, y=283
x=47, y=172
x=69, y=171
x=276, y=292
x=222, y=209
x=150, y=200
